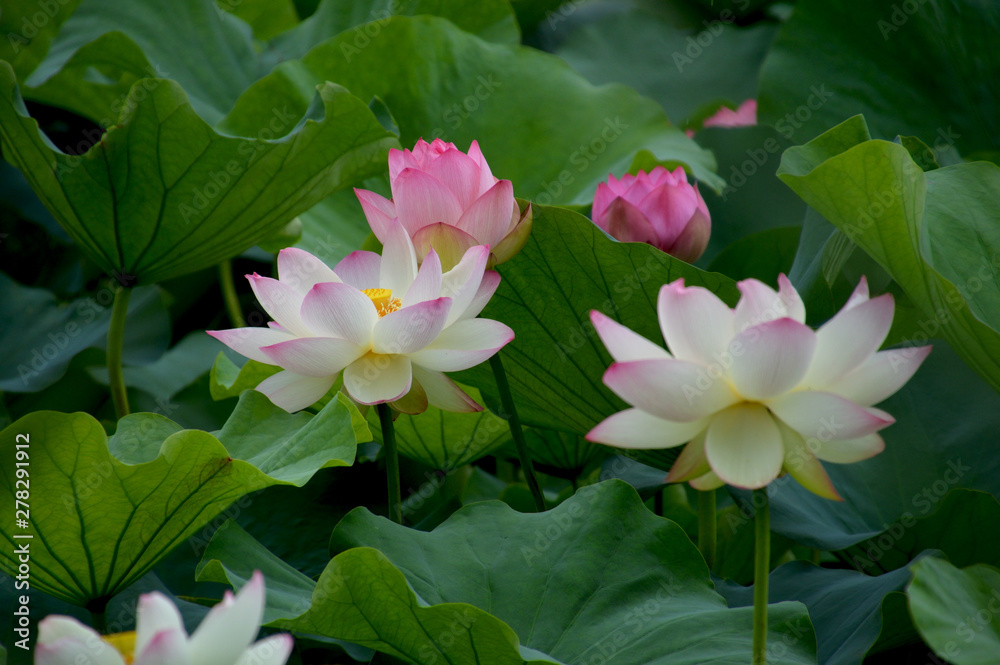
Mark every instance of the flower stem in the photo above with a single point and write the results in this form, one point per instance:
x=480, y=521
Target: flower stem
x=391, y=462
x=707, y=525
x=762, y=566
x=507, y=401
x=116, y=338
x=229, y=294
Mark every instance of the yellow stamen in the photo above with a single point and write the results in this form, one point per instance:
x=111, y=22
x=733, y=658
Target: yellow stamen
x=383, y=300
x=123, y=643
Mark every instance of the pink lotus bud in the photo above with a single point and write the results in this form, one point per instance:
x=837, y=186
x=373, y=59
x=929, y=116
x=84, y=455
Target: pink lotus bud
x=659, y=208
x=744, y=116
x=448, y=201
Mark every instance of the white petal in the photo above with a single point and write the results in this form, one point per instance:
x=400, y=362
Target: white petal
x=848, y=451
x=826, y=416
x=461, y=283
x=248, y=341
x=771, y=358
x=229, y=627
x=634, y=428
x=398, y=268
x=695, y=323
x=760, y=303
x=314, y=356
x=375, y=379
x=427, y=285
x=802, y=465
x=155, y=613
x=274, y=650
x=848, y=339
x=489, y=285
x=410, y=328
x=63, y=640
x=340, y=310
x=744, y=446
x=360, y=269
x=708, y=482
x=167, y=647
x=444, y=393
x=880, y=376
x=621, y=342
x=673, y=389
x=302, y=271
x=281, y=301
x=294, y=392
x=464, y=344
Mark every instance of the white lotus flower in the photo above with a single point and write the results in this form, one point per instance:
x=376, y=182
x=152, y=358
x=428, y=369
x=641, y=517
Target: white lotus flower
x=753, y=391
x=225, y=636
x=389, y=327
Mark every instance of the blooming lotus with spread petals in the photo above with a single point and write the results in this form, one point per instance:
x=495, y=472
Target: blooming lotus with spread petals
x=391, y=327
x=225, y=636
x=745, y=115
x=753, y=391
x=449, y=201
x=659, y=208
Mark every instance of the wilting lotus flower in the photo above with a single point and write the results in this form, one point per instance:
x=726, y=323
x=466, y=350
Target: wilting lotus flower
x=753, y=391
x=224, y=637
x=449, y=201
x=744, y=116
x=389, y=327
x=659, y=208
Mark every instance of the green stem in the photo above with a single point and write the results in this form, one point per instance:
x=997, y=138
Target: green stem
x=391, y=462
x=507, y=401
x=707, y=526
x=116, y=338
x=99, y=618
x=658, y=502
x=762, y=567
x=229, y=294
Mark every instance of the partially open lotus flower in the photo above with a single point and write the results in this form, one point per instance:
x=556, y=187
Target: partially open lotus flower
x=753, y=391
x=225, y=636
x=745, y=115
x=448, y=201
x=660, y=208
x=393, y=329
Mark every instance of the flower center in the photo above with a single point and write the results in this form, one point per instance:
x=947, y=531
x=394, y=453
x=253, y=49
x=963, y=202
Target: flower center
x=123, y=643
x=383, y=300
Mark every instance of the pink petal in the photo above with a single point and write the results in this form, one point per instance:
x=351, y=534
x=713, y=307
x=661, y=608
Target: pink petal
x=848, y=451
x=488, y=218
x=444, y=393
x=826, y=416
x=376, y=379
x=294, y=392
x=673, y=389
x=848, y=339
x=459, y=173
x=464, y=344
x=693, y=240
x=771, y=358
x=603, y=197
x=231, y=625
x=340, y=310
x=168, y=647
x=302, y=271
x=427, y=284
x=248, y=341
x=422, y=199
x=695, y=323
x=486, y=178
x=760, y=303
x=634, y=428
x=410, y=328
x=744, y=116
x=625, y=222
x=379, y=211
x=489, y=285
x=880, y=376
x=669, y=209
x=744, y=446
x=281, y=301
x=622, y=343
x=399, y=160
x=360, y=269
x=314, y=356
x=155, y=613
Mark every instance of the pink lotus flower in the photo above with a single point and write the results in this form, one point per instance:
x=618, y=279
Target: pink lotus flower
x=659, y=208
x=224, y=637
x=753, y=391
x=390, y=327
x=744, y=116
x=449, y=201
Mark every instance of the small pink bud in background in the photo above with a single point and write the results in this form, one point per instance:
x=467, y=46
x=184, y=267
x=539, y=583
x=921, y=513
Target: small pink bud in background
x=660, y=208
x=744, y=116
